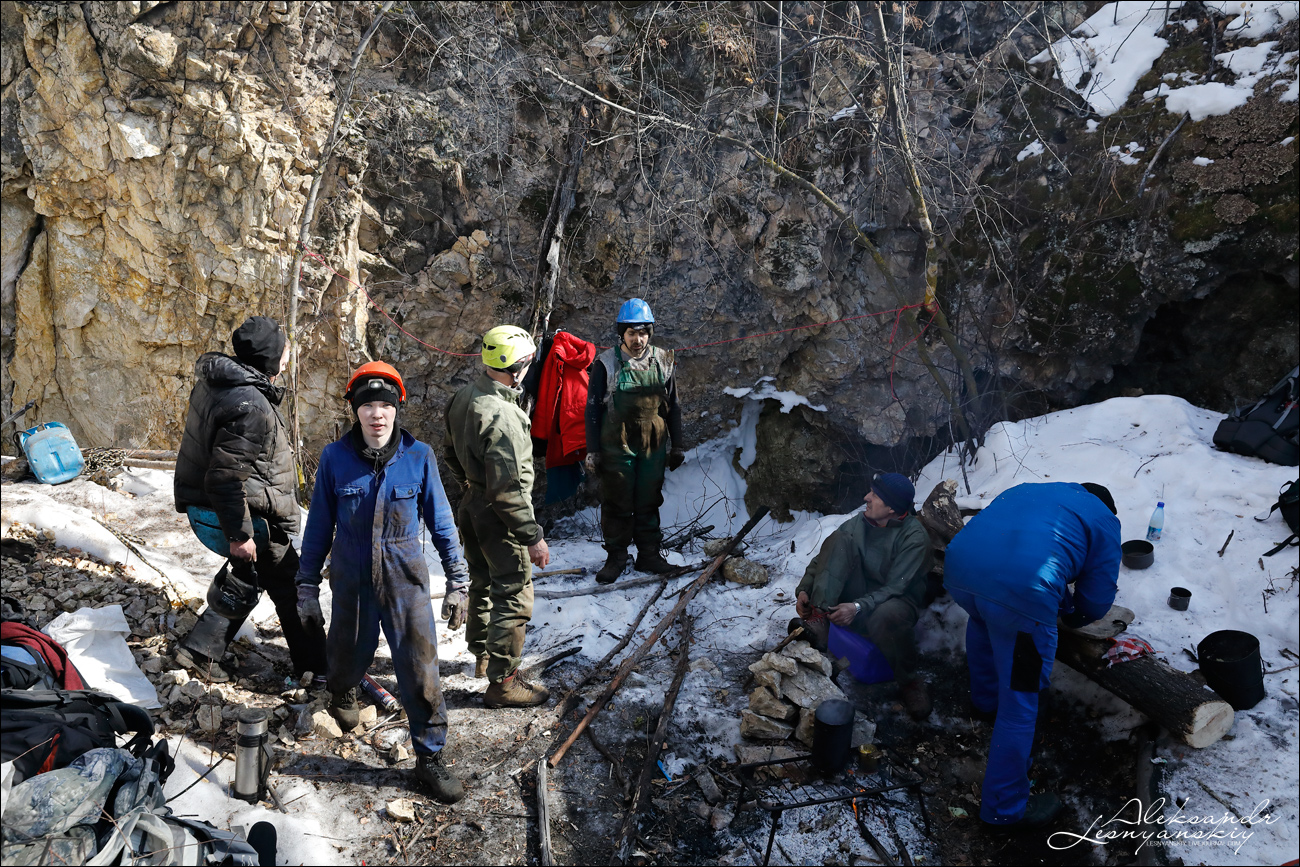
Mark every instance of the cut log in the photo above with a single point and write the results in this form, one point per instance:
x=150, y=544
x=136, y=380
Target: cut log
x=1191, y=711
x=940, y=515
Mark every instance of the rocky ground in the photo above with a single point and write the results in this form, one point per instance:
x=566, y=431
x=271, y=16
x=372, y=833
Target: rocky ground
x=369, y=769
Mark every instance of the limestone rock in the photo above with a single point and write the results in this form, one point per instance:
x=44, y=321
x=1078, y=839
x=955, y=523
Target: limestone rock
x=401, y=810
x=759, y=727
x=783, y=664
x=803, y=652
x=803, y=732
x=767, y=677
x=764, y=701
x=368, y=715
x=324, y=725
x=808, y=688
x=714, y=547
x=708, y=786
x=720, y=818
x=208, y=717
x=738, y=570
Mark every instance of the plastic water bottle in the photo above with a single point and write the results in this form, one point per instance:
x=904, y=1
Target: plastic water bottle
x=1157, y=522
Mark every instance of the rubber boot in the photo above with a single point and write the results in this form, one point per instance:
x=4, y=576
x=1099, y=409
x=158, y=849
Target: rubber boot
x=433, y=773
x=653, y=562
x=514, y=691
x=615, y=563
x=346, y=710
x=200, y=666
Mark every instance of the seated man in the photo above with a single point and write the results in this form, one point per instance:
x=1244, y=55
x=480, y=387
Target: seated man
x=870, y=577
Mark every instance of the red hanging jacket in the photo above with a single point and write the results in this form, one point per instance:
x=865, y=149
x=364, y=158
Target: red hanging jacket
x=562, y=400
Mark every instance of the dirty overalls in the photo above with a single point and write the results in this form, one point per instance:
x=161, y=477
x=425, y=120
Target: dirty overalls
x=369, y=522
x=634, y=448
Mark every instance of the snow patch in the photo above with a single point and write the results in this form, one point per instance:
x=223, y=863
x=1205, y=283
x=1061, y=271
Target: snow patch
x=1033, y=149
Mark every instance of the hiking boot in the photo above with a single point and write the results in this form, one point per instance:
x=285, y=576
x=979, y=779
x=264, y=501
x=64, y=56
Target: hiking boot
x=615, y=563
x=200, y=666
x=480, y=666
x=653, y=562
x=514, y=691
x=431, y=771
x=816, y=630
x=916, y=699
x=1039, y=812
x=346, y=710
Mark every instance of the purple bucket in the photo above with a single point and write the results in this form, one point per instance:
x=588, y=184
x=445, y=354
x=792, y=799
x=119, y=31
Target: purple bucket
x=866, y=662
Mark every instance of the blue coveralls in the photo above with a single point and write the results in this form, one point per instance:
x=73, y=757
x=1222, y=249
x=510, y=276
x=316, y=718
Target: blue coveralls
x=1011, y=568
x=378, y=573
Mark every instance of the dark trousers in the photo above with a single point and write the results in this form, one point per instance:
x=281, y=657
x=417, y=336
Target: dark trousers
x=891, y=626
x=1010, y=659
x=405, y=613
x=631, y=492
x=274, y=571
x=500, y=587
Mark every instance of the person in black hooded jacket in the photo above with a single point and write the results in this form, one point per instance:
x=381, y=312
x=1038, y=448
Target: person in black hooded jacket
x=235, y=480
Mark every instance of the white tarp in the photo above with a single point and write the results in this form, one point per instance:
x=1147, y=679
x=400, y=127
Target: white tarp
x=95, y=639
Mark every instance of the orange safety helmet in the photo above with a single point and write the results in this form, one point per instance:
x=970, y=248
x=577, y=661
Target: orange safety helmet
x=376, y=368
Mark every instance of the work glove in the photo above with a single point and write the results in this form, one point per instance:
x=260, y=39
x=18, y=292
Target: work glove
x=676, y=458
x=455, y=607
x=309, y=613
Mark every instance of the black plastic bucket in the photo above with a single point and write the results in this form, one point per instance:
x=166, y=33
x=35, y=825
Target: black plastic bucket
x=1232, y=667
x=832, y=735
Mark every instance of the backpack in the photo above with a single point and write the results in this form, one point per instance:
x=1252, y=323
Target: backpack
x=108, y=807
x=46, y=729
x=1270, y=429
x=32, y=660
x=1288, y=503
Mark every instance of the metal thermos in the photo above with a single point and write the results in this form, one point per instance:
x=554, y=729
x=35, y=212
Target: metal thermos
x=251, y=760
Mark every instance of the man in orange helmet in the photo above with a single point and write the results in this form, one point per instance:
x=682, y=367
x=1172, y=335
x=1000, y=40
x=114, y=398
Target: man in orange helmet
x=374, y=488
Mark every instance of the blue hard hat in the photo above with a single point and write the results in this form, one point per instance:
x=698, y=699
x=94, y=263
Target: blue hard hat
x=635, y=312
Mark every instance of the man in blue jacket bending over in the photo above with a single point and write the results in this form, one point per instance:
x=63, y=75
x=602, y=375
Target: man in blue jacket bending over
x=373, y=489
x=1011, y=568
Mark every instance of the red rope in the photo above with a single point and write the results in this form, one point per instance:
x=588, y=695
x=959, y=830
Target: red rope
x=375, y=304
x=898, y=314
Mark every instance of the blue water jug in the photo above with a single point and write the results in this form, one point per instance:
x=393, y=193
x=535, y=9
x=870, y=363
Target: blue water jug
x=866, y=663
x=52, y=453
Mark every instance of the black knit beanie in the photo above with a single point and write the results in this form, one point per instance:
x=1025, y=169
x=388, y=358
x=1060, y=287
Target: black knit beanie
x=259, y=343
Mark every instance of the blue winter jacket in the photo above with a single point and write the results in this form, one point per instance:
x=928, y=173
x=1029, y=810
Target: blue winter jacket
x=1033, y=541
x=384, y=545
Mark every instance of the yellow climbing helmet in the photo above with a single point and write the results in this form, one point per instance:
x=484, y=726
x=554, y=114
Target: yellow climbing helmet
x=507, y=345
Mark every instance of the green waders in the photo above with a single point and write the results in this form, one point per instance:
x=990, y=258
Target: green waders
x=500, y=587
x=633, y=453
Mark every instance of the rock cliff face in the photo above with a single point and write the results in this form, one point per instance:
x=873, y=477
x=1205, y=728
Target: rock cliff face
x=157, y=156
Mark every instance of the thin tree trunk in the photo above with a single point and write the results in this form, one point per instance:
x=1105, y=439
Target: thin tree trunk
x=304, y=227
x=547, y=274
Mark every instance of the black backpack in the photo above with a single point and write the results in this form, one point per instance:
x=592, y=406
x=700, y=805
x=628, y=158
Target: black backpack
x=1270, y=429
x=1288, y=503
x=45, y=729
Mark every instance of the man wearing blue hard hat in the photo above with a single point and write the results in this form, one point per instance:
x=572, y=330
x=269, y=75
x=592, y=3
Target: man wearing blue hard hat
x=632, y=414
x=869, y=576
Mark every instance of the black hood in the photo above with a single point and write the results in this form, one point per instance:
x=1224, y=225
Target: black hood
x=219, y=370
